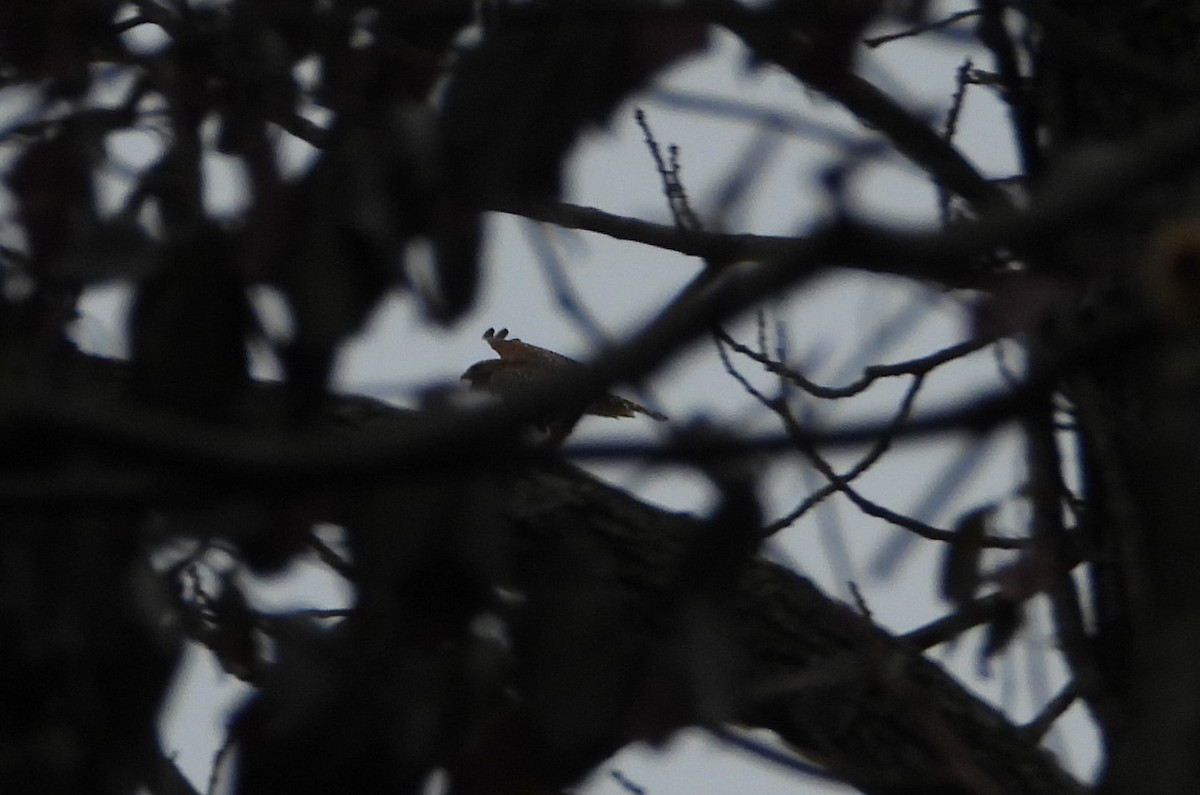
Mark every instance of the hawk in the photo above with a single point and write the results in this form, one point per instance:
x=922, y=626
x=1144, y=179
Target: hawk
x=521, y=365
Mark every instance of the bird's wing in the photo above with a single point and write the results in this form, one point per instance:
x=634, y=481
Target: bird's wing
x=513, y=349
x=524, y=363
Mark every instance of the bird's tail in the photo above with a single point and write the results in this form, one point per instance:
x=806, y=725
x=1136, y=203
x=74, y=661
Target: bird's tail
x=614, y=406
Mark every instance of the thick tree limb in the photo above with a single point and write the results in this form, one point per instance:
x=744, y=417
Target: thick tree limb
x=862, y=702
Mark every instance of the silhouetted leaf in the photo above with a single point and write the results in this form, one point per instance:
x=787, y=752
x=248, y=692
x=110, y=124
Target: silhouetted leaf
x=232, y=638
x=517, y=103
x=333, y=254
x=824, y=34
x=56, y=40
x=1006, y=622
x=546, y=70
x=52, y=182
x=189, y=327
x=961, y=558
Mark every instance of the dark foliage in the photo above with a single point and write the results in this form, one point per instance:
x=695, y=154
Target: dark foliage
x=514, y=621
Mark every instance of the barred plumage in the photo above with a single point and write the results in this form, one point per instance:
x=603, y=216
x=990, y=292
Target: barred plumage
x=521, y=364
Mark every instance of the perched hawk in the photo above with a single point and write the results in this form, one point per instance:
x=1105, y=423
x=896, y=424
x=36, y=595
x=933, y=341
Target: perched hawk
x=521, y=365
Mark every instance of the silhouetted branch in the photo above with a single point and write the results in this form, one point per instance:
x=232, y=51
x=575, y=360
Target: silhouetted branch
x=436, y=440
x=1041, y=725
x=917, y=30
x=911, y=136
x=972, y=614
x=917, y=367
x=816, y=663
x=841, y=482
x=1015, y=89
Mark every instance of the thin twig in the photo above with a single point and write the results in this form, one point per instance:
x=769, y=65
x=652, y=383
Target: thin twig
x=950, y=128
x=330, y=558
x=994, y=35
x=841, y=483
x=214, y=780
x=626, y=783
x=911, y=136
x=668, y=172
x=1046, y=499
x=560, y=284
x=915, y=367
x=917, y=30
x=863, y=608
x=762, y=751
x=942, y=630
x=1054, y=709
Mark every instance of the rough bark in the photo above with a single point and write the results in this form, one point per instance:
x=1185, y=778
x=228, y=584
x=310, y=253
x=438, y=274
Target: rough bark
x=864, y=704
x=1107, y=72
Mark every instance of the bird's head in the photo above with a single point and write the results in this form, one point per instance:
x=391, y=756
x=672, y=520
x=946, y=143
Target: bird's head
x=480, y=374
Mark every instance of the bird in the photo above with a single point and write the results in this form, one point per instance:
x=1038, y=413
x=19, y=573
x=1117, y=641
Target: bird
x=522, y=365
